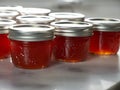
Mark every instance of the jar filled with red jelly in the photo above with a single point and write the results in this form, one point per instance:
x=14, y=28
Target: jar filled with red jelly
x=4, y=41
x=67, y=16
x=35, y=19
x=105, y=40
x=31, y=45
x=71, y=41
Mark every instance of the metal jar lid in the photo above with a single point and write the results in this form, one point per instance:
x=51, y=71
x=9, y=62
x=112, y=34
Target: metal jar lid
x=8, y=14
x=35, y=11
x=5, y=24
x=35, y=19
x=27, y=32
x=105, y=24
x=68, y=16
x=72, y=28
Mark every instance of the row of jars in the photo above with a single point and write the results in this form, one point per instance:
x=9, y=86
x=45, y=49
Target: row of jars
x=62, y=36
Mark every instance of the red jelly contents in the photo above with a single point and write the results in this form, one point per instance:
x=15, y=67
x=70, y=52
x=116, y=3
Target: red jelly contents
x=4, y=46
x=104, y=43
x=71, y=49
x=31, y=55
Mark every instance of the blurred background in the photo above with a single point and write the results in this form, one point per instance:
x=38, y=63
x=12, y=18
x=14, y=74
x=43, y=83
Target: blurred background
x=91, y=8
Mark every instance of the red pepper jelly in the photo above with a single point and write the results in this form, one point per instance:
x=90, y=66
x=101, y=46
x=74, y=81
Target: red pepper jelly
x=31, y=45
x=105, y=40
x=4, y=41
x=72, y=41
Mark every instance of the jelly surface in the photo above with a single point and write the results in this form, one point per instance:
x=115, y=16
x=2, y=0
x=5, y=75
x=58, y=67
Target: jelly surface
x=104, y=43
x=71, y=49
x=31, y=55
x=4, y=46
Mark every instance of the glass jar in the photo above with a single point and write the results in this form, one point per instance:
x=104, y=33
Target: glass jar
x=35, y=11
x=31, y=45
x=71, y=41
x=105, y=40
x=68, y=16
x=4, y=41
x=34, y=19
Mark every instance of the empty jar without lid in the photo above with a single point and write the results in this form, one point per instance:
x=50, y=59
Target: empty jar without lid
x=68, y=16
x=31, y=45
x=35, y=11
x=4, y=41
x=72, y=40
x=105, y=40
x=35, y=19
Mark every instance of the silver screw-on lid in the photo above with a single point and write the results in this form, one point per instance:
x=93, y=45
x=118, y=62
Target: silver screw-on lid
x=67, y=16
x=72, y=28
x=5, y=24
x=31, y=32
x=105, y=24
x=35, y=19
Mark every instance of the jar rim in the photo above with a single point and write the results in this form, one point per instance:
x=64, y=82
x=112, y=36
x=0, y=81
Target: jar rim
x=31, y=27
x=105, y=24
x=10, y=7
x=30, y=10
x=72, y=28
x=31, y=32
x=104, y=21
x=6, y=22
x=66, y=15
x=8, y=13
x=71, y=24
x=35, y=18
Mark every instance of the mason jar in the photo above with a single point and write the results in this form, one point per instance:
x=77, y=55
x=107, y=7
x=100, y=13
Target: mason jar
x=71, y=43
x=4, y=41
x=31, y=45
x=34, y=19
x=35, y=11
x=68, y=16
x=105, y=40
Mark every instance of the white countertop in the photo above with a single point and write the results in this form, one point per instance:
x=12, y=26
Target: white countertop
x=97, y=73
